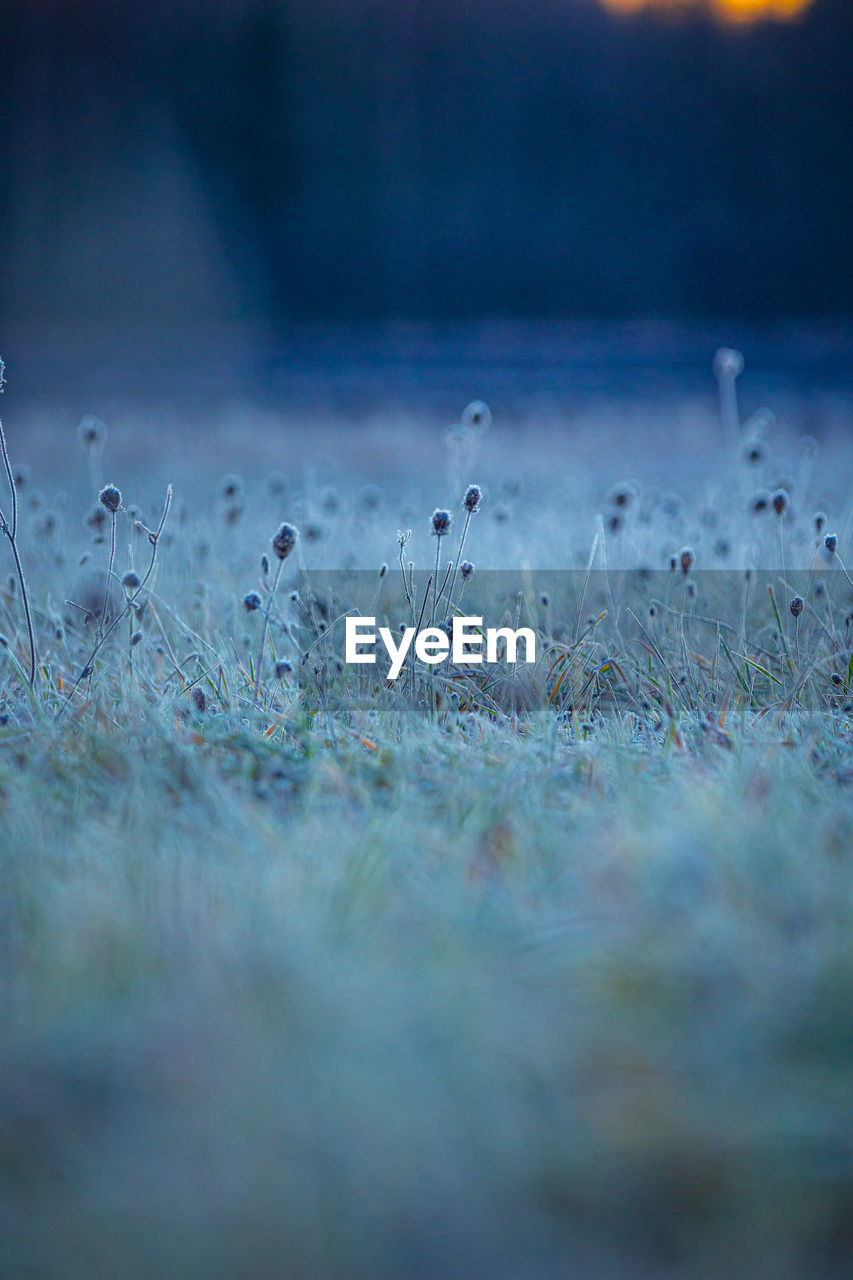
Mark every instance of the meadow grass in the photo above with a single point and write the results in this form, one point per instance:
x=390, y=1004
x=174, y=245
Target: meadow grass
x=536, y=976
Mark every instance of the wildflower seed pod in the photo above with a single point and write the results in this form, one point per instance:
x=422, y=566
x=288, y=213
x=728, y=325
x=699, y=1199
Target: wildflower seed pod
x=831, y=543
x=96, y=519
x=622, y=494
x=728, y=363
x=91, y=433
x=370, y=498
x=198, y=698
x=285, y=540
x=477, y=415
x=796, y=606
x=759, y=501
x=252, y=601
x=819, y=521
x=685, y=559
x=466, y=569
x=131, y=580
x=473, y=494
x=110, y=497
x=232, y=486
x=282, y=669
x=754, y=452
x=441, y=522
x=779, y=501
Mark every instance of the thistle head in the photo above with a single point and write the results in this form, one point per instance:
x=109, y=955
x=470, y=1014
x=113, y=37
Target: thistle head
x=91, y=433
x=473, y=495
x=622, y=494
x=466, y=569
x=285, y=540
x=779, y=501
x=796, y=606
x=110, y=497
x=477, y=415
x=441, y=522
x=728, y=363
x=252, y=601
x=685, y=559
x=831, y=543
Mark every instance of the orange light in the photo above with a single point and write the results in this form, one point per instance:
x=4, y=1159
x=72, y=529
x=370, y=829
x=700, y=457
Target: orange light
x=726, y=10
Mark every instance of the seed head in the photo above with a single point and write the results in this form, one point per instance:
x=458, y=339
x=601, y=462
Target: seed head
x=477, y=415
x=110, y=497
x=685, y=559
x=370, y=498
x=779, y=501
x=754, y=452
x=819, y=521
x=728, y=363
x=473, y=494
x=96, y=519
x=466, y=569
x=252, y=601
x=441, y=522
x=282, y=669
x=796, y=606
x=760, y=501
x=131, y=580
x=622, y=494
x=285, y=540
x=831, y=543
x=91, y=432
x=198, y=699
x=232, y=486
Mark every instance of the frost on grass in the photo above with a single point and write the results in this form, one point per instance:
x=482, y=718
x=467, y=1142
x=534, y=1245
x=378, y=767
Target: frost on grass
x=468, y=975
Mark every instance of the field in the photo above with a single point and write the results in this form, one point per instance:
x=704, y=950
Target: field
x=520, y=976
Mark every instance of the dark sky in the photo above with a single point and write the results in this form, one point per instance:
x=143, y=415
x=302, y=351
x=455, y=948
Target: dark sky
x=279, y=160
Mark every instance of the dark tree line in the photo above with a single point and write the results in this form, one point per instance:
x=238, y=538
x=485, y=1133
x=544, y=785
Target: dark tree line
x=289, y=159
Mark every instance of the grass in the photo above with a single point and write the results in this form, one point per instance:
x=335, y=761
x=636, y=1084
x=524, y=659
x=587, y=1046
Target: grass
x=450, y=980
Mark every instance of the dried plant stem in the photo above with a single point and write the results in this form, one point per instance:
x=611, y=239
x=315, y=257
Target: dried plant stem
x=265, y=628
x=153, y=538
x=459, y=557
x=11, y=532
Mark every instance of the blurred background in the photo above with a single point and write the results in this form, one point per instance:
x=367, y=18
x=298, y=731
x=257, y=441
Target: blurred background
x=276, y=184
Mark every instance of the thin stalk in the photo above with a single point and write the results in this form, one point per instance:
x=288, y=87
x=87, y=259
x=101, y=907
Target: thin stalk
x=459, y=556
x=270, y=603
x=11, y=531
